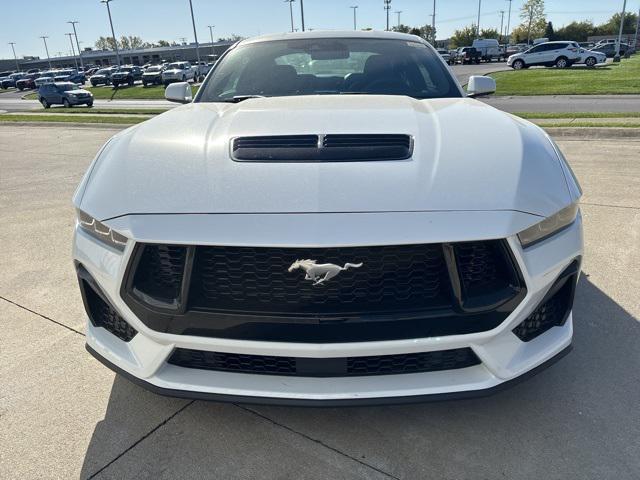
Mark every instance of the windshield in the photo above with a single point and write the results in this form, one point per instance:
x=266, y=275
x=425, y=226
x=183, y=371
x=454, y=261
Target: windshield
x=104, y=71
x=179, y=66
x=329, y=66
x=153, y=69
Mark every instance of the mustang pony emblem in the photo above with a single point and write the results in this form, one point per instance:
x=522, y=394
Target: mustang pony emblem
x=320, y=273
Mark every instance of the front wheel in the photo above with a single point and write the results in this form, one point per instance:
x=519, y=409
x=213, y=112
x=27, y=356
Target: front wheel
x=131, y=82
x=90, y=104
x=44, y=103
x=517, y=65
x=66, y=103
x=562, y=62
x=590, y=62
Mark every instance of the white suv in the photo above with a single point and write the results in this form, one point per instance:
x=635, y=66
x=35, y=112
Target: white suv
x=560, y=54
x=178, y=72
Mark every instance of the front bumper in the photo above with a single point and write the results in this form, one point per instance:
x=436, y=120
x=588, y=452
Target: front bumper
x=503, y=356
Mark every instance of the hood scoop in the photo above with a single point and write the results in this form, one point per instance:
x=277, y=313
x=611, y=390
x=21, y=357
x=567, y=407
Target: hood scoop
x=322, y=148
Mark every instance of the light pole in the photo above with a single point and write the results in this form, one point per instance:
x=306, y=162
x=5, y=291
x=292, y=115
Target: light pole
x=398, y=12
x=14, y=55
x=507, y=31
x=290, y=2
x=433, y=22
x=211, y=27
x=501, y=23
x=73, y=49
x=44, y=39
x=113, y=33
x=478, y=25
x=195, y=35
x=355, y=23
x=302, y=13
x=75, y=33
x=387, y=7
x=616, y=58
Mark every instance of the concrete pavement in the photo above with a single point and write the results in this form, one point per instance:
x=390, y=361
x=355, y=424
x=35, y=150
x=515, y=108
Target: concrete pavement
x=64, y=415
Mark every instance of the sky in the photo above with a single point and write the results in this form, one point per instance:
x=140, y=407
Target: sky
x=153, y=20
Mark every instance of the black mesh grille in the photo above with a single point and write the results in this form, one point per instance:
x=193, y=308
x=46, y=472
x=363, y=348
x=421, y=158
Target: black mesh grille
x=551, y=313
x=102, y=315
x=276, y=141
x=374, y=140
x=407, y=277
x=160, y=271
x=324, y=367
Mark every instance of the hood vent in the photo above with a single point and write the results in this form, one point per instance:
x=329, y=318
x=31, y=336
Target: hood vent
x=322, y=148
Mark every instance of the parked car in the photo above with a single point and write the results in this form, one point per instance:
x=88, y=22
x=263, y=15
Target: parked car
x=102, y=77
x=466, y=55
x=33, y=70
x=27, y=82
x=152, y=75
x=609, y=49
x=488, y=48
x=70, y=75
x=591, y=58
x=90, y=71
x=178, y=72
x=446, y=56
x=126, y=75
x=10, y=81
x=64, y=93
x=202, y=68
x=549, y=54
x=453, y=273
x=586, y=45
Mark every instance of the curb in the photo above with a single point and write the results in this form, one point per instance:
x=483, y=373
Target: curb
x=593, y=133
x=111, y=126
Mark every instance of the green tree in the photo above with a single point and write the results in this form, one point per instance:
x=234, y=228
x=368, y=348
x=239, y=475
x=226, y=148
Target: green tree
x=464, y=37
x=426, y=32
x=534, y=20
x=612, y=26
x=549, y=32
x=576, y=31
x=401, y=28
x=490, y=33
x=162, y=43
x=105, y=43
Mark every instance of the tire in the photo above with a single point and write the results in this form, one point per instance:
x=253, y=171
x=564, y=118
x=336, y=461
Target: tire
x=166, y=84
x=131, y=82
x=44, y=103
x=115, y=84
x=562, y=62
x=144, y=84
x=590, y=62
x=66, y=103
x=517, y=64
x=20, y=88
x=184, y=79
x=90, y=104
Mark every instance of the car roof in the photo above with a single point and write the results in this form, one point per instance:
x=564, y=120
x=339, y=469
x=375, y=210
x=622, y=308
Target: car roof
x=315, y=34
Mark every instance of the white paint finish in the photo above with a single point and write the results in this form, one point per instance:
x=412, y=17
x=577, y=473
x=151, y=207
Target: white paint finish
x=467, y=156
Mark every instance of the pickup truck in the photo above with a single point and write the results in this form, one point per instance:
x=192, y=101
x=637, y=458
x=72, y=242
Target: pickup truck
x=178, y=72
x=466, y=55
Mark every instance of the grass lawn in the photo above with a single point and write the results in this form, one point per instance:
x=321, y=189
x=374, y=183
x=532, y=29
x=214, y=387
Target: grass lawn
x=100, y=111
x=137, y=92
x=615, y=78
x=71, y=119
x=561, y=115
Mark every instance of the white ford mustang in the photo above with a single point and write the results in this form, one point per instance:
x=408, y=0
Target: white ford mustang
x=330, y=220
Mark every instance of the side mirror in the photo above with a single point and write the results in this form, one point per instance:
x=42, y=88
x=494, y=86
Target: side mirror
x=480, y=85
x=178, y=92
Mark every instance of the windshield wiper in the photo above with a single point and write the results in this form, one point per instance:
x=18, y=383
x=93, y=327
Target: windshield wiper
x=240, y=98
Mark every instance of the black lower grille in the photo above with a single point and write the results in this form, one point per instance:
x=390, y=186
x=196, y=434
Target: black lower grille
x=102, y=315
x=554, y=308
x=285, y=294
x=326, y=367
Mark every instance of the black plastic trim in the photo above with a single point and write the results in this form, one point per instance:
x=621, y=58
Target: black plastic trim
x=362, y=402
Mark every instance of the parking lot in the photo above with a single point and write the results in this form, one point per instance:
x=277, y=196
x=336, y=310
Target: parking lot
x=64, y=415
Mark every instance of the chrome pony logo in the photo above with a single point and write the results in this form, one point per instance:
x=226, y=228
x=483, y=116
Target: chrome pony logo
x=320, y=273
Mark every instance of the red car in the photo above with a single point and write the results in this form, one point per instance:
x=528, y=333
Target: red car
x=28, y=81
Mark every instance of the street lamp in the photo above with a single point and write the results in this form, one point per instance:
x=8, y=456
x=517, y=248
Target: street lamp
x=290, y=2
x=211, y=27
x=387, y=7
x=44, y=39
x=73, y=50
x=75, y=33
x=507, y=31
x=14, y=55
x=113, y=34
x=195, y=35
x=398, y=12
x=478, y=26
x=302, y=13
x=616, y=57
x=355, y=23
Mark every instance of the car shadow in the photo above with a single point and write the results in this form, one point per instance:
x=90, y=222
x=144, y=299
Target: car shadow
x=573, y=420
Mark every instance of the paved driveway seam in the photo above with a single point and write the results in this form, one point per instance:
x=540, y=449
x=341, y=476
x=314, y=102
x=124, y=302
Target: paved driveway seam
x=315, y=440
x=41, y=316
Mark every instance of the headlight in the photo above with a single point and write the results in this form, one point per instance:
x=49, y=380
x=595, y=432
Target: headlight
x=549, y=226
x=100, y=231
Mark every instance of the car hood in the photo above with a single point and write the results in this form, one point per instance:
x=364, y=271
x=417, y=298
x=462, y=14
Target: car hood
x=152, y=73
x=174, y=71
x=467, y=156
x=78, y=91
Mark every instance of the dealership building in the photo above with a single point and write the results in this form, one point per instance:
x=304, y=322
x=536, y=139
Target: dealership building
x=140, y=56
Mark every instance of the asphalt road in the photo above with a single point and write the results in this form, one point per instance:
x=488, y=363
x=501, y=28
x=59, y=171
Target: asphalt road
x=64, y=415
